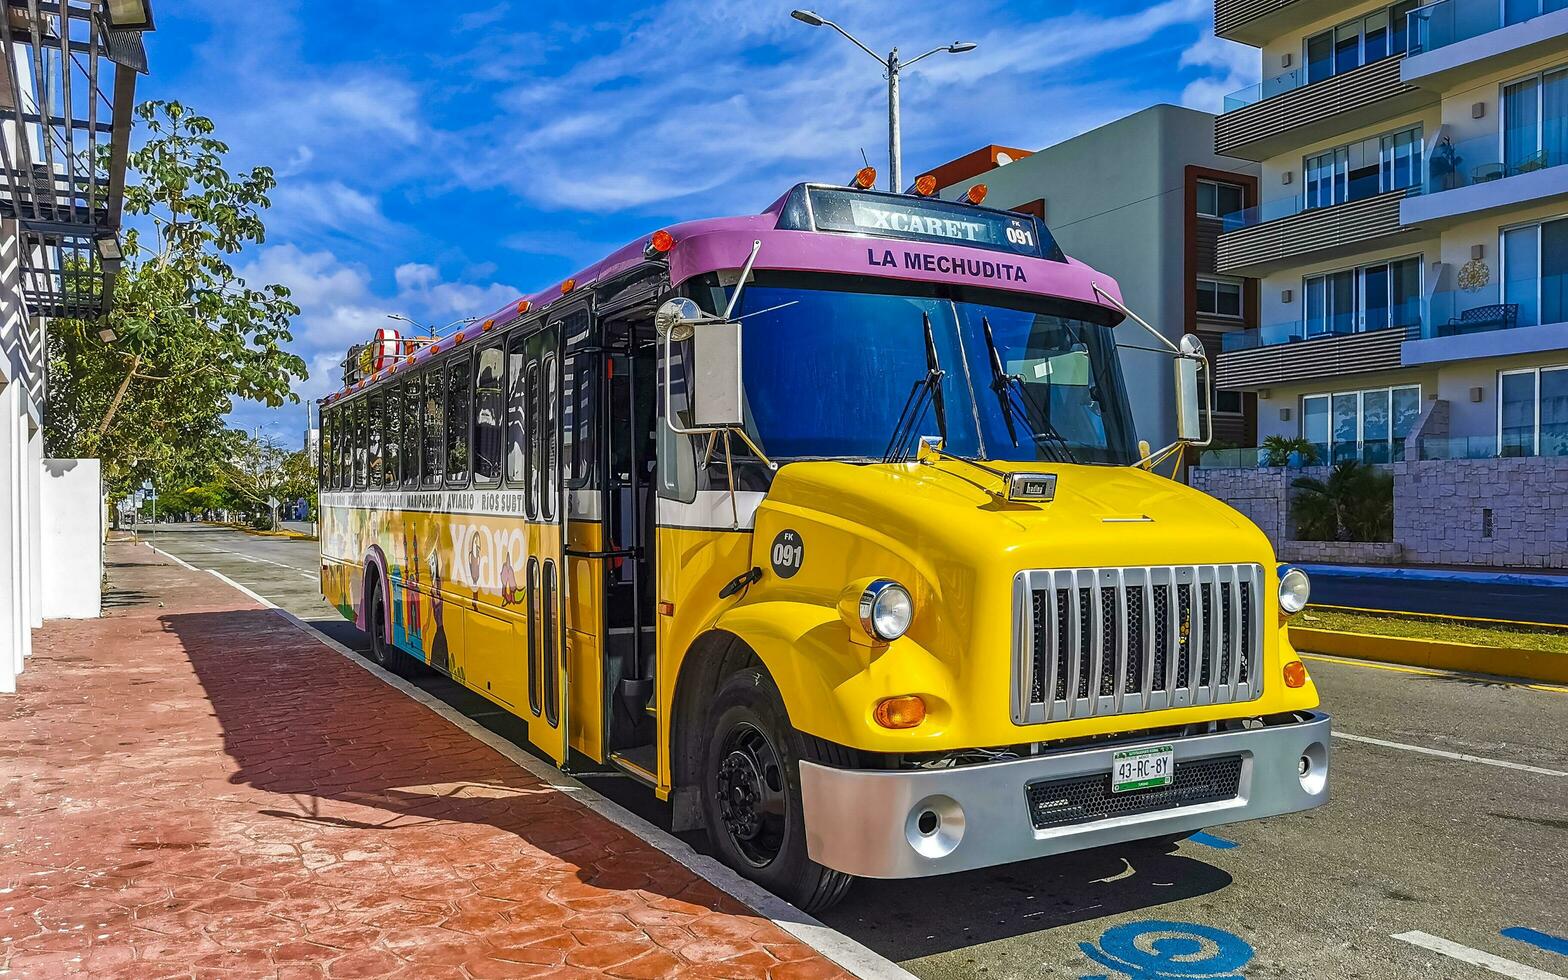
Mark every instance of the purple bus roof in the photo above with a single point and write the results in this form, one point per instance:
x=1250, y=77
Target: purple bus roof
x=712, y=244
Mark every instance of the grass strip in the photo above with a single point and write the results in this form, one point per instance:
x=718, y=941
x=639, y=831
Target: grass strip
x=1414, y=626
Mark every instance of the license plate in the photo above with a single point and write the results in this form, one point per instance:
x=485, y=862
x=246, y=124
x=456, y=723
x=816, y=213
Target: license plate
x=1145, y=768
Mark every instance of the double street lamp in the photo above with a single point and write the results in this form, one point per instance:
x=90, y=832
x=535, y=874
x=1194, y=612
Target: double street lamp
x=892, y=66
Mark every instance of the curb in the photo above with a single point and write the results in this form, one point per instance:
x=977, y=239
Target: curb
x=1402, y=574
x=1534, y=665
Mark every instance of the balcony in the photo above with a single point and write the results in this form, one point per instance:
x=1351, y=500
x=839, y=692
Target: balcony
x=1287, y=111
x=1453, y=42
x=1256, y=22
x=1277, y=234
x=1472, y=176
x=1283, y=353
x=1520, y=316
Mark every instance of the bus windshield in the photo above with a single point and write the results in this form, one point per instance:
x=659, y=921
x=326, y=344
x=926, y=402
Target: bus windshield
x=828, y=371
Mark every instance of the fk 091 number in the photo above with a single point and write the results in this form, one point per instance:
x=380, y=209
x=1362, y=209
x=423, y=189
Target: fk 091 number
x=1020, y=236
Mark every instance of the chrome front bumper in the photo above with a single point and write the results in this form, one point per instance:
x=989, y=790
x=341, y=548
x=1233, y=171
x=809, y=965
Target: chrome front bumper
x=879, y=824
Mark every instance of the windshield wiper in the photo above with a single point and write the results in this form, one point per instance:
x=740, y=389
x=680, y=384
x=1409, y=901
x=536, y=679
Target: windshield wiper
x=1007, y=386
x=927, y=390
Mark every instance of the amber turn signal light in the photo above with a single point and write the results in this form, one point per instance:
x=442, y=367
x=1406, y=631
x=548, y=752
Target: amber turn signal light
x=904, y=711
x=1295, y=674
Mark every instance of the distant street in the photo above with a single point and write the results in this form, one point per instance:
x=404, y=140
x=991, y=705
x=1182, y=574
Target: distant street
x=1447, y=825
x=1535, y=604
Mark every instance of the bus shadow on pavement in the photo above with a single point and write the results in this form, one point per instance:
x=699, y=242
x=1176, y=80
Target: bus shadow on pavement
x=911, y=919
x=388, y=799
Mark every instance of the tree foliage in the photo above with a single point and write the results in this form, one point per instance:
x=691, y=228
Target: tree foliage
x=1355, y=503
x=189, y=335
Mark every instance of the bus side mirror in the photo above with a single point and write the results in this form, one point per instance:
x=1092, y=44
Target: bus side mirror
x=1189, y=408
x=716, y=375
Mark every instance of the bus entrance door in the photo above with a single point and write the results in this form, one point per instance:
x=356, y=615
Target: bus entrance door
x=544, y=579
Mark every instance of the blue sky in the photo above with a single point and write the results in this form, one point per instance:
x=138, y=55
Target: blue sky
x=439, y=162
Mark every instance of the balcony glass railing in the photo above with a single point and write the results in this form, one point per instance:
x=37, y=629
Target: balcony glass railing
x=1483, y=159
x=1445, y=22
x=1490, y=447
x=1323, y=454
x=1285, y=207
x=1266, y=89
x=1482, y=308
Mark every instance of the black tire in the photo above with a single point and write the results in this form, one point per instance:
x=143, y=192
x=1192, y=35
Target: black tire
x=751, y=792
x=382, y=653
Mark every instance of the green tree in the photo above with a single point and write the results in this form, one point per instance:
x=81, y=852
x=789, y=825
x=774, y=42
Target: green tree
x=189, y=335
x=1355, y=503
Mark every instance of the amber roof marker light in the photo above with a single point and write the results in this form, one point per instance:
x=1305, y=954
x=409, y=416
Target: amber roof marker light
x=891, y=66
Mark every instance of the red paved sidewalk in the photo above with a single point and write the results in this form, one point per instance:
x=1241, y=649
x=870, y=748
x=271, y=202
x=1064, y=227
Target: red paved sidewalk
x=192, y=786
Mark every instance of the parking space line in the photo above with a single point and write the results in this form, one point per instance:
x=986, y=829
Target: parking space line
x=1538, y=939
x=1475, y=957
x=1456, y=756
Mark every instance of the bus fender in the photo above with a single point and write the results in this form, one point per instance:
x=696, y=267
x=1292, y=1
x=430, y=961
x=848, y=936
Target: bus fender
x=376, y=564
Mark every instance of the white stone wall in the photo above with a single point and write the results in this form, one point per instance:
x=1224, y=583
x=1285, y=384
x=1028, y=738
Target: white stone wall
x=1440, y=512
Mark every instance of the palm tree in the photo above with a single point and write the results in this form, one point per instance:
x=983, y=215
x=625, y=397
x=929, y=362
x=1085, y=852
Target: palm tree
x=1355, y=503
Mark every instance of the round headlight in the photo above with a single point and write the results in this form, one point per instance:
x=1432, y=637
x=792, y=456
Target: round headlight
x=1294, y=590
x=886, y=609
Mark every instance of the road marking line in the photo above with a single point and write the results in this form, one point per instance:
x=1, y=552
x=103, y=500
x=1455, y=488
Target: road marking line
x=1541, y=940
x=1458, y=756
x=1475, y=957
x=1428, y=671
x=174, y=558
x=832, y=944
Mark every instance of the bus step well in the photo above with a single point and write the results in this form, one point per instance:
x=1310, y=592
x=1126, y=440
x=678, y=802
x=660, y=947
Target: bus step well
x=641, y=762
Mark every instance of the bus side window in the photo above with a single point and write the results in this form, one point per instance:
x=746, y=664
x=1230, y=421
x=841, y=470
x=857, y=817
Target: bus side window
x=324, y=451
x=392, y=448
x=459, y=421
x=373, y=417
x=535, y=425
x=516, y=411
x=435, y=427
x=677, y=458
x=360, y=432
x=411, y=406
x=487, y=416
x=346, y=447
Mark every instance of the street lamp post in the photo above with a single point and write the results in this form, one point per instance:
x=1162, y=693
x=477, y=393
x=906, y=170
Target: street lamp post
x=892, y=66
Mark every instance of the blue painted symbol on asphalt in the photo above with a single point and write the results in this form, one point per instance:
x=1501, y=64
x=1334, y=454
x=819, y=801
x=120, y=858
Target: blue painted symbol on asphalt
x=1158, y=950
x=1541, y=940
x=1209, y=840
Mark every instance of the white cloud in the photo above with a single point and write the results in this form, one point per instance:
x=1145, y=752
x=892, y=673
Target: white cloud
x=1232, y=66
x=695, y=99
x=302, y=207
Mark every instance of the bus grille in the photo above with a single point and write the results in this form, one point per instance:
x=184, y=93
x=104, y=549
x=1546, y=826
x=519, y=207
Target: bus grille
x=1101, y=641
x=1088, y=799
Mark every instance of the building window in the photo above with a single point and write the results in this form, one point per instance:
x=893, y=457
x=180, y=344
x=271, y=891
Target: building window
x=1358, y=42
x=1216, y=200
x=1364, y=168
x=1535, y=271
x=1535, y=122
x=1369, y=425
x=1371, y=297
x=1219, y=297
x=1532, y=412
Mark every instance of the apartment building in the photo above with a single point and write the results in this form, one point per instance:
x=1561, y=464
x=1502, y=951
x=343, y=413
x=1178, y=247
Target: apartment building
x=1141, y=199
x=1411, y=246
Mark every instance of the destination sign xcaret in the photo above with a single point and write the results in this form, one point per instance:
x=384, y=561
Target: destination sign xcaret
x=928, y=220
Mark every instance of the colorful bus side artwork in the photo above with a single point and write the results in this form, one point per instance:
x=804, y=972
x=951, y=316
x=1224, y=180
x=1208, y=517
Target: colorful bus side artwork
x=830, y=524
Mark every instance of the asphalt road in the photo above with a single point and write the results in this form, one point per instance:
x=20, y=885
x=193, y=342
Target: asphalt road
x=1486, y=600
x=1440, y=837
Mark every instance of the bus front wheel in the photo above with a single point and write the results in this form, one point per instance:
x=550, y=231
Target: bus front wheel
x=751, y=793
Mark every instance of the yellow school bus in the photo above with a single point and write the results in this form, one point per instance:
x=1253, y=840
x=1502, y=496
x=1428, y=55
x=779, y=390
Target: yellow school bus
x=831, y=525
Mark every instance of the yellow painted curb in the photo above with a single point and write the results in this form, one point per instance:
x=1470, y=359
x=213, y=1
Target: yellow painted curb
x=1535, y=665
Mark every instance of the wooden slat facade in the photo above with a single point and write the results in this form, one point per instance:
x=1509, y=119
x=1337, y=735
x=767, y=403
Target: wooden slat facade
x=1320, y=357
x=1338, y=104
x=1232, y=15
x=1249, y=251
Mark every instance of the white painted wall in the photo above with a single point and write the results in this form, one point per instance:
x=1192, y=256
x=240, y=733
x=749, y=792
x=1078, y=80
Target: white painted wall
x=71, y=538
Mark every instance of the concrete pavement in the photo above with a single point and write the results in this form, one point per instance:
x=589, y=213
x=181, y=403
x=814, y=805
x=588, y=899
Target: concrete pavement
x=1449, y=819
x=193, y=786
